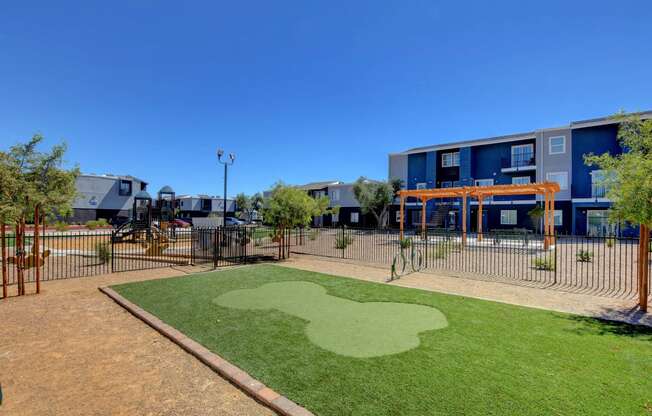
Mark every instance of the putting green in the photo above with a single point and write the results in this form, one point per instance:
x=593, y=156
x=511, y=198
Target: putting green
x=340, y=325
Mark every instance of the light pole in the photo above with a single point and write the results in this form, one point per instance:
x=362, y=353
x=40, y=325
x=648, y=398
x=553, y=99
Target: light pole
x=226, y=164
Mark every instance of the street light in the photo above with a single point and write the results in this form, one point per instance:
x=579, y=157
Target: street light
x=226, y=164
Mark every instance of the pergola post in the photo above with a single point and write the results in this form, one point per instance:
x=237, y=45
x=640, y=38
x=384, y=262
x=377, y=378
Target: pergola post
x=464, y=218
x=546, y=218
x=401, y=215
x=643, y=267
x=423, y=217
x=552, y=218
x=480, y=198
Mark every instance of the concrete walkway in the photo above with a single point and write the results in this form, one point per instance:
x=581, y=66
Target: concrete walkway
x=556, y=300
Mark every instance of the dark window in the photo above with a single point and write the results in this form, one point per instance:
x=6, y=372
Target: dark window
x=206, y=204
x=143, y=186
x=125, y=188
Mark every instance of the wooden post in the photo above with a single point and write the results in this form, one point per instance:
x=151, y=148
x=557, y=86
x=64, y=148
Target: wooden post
x=36, y=249
x=401, y=216
x=464, y=218
x=552, y=218
x=3, y=244
x=423, y=217
x=643, y=267
x=480, y=198
x=545, y=221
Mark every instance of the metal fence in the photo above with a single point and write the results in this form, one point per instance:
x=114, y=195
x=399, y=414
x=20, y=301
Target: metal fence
x=73, y=254
x=605, y=266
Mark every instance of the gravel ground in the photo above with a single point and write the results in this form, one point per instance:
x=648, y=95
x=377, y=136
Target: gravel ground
x=608, y=270
x=73, y=351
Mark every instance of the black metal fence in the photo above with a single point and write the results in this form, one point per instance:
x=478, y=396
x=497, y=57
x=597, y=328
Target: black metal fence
x=73, y=254
x=605, y=266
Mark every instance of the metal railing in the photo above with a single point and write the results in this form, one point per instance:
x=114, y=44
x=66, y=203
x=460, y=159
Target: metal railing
x=605, y=266
x=71, y=254
x=518, y=160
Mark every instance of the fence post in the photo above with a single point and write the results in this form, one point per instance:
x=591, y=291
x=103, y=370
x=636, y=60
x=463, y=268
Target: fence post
x=112, y=251
x=643, y=266
x=343, y=241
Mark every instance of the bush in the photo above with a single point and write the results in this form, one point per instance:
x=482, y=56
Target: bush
x=584, y=256
x=103, y=251
x=102, y=222
x=405, y=243
x=91, y=225
x=312, y=234
x=343, y=240
x=610, y=241
x=60, y=226
x=544, y=263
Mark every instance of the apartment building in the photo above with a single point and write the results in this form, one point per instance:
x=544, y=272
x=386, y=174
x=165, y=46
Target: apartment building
x=105, y=196
x=551, y=154
x=193, y=206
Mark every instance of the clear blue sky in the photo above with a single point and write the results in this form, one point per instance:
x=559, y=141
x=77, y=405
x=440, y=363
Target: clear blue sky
x=306, y=90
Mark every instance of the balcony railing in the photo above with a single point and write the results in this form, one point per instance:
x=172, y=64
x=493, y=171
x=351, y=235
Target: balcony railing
x=598, y=191
x=518, y=160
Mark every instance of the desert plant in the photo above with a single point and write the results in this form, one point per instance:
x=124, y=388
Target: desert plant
x=91, y=225
x=343, y=240
x=544, y=263
x=610, y=241
x=405, y=243
x=102, y=222
x=60, y=226
x=584, y=256
x=312, y=234
x=103, y=251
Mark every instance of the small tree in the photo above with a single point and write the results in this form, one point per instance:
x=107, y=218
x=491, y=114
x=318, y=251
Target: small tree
x=289, y=207
x=536, y=214
x=628, y=176
x=247, y=205
x=376, y=197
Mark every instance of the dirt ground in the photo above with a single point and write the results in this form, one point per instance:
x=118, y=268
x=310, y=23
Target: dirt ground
x=73, y=351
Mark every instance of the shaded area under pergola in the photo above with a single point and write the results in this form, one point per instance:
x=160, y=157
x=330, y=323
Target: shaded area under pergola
x=547, y=189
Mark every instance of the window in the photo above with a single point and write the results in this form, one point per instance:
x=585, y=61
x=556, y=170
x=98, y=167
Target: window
x=355, y=217
x=598, y=225
x=125, y=188
x=557, y=145
x=559, y=218
x=181, y=204
x=560, y=177
x=421, y=185
x=508, y=216
x=522, y=155
x=520, y=180
x=448, y=160
x=335, y=217
x=398, y=216
x=446, y=184
x=456, y=184
x=598, y=186
x=335, y=195
x=206, y=204
x=484, y=182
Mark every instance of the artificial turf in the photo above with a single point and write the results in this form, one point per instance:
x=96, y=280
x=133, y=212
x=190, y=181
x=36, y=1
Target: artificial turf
x=491, y=359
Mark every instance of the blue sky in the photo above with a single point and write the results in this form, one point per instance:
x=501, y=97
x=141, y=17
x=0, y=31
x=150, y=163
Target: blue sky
x=306, y=90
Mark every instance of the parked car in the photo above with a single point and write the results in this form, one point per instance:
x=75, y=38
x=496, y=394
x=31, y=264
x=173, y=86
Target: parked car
x=181, y=223
x=231, y=221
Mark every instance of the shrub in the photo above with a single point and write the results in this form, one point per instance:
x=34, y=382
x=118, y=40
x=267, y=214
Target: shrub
x=440, y=251
x=312, y=234
x=544, y=263
x=60, y=226
x=584, y=256
x=405, y=243
x=102, y=222
x=91, y=225
x=103, y=251
x=343, y=240
x=610, y=241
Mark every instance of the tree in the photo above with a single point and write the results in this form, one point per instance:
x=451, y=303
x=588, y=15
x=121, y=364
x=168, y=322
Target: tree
x=290, y=207
x=376, y=197
x=536, y=214
x=628, y=176
x=33, y=184
x=248, y=205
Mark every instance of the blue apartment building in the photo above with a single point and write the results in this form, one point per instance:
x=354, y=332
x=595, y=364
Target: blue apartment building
x=551, y=154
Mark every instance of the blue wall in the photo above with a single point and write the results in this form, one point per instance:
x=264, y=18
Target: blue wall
x=597, y=140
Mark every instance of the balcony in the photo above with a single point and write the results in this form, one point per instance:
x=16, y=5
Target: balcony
x=598, y=191
x=518, y=163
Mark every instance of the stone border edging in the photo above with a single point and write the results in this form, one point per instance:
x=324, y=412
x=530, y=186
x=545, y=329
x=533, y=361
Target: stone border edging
x=252, y=387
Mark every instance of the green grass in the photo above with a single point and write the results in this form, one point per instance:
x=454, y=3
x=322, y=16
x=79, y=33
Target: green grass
x=491, y=359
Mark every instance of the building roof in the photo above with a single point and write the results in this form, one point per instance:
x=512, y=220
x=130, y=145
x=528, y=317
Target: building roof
x=201, y=196
x=519, y=136
x=112, y=176
x=318, y=185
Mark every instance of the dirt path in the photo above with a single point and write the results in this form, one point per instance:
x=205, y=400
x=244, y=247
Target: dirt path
x=73, y=351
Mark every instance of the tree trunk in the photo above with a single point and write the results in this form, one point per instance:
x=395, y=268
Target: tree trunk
x=3, y=247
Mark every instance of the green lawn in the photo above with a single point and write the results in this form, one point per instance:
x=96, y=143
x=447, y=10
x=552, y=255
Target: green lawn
x=483, y=358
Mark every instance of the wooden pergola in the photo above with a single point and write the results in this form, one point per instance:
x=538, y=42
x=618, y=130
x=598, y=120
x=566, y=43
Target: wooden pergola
x=547, y=189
